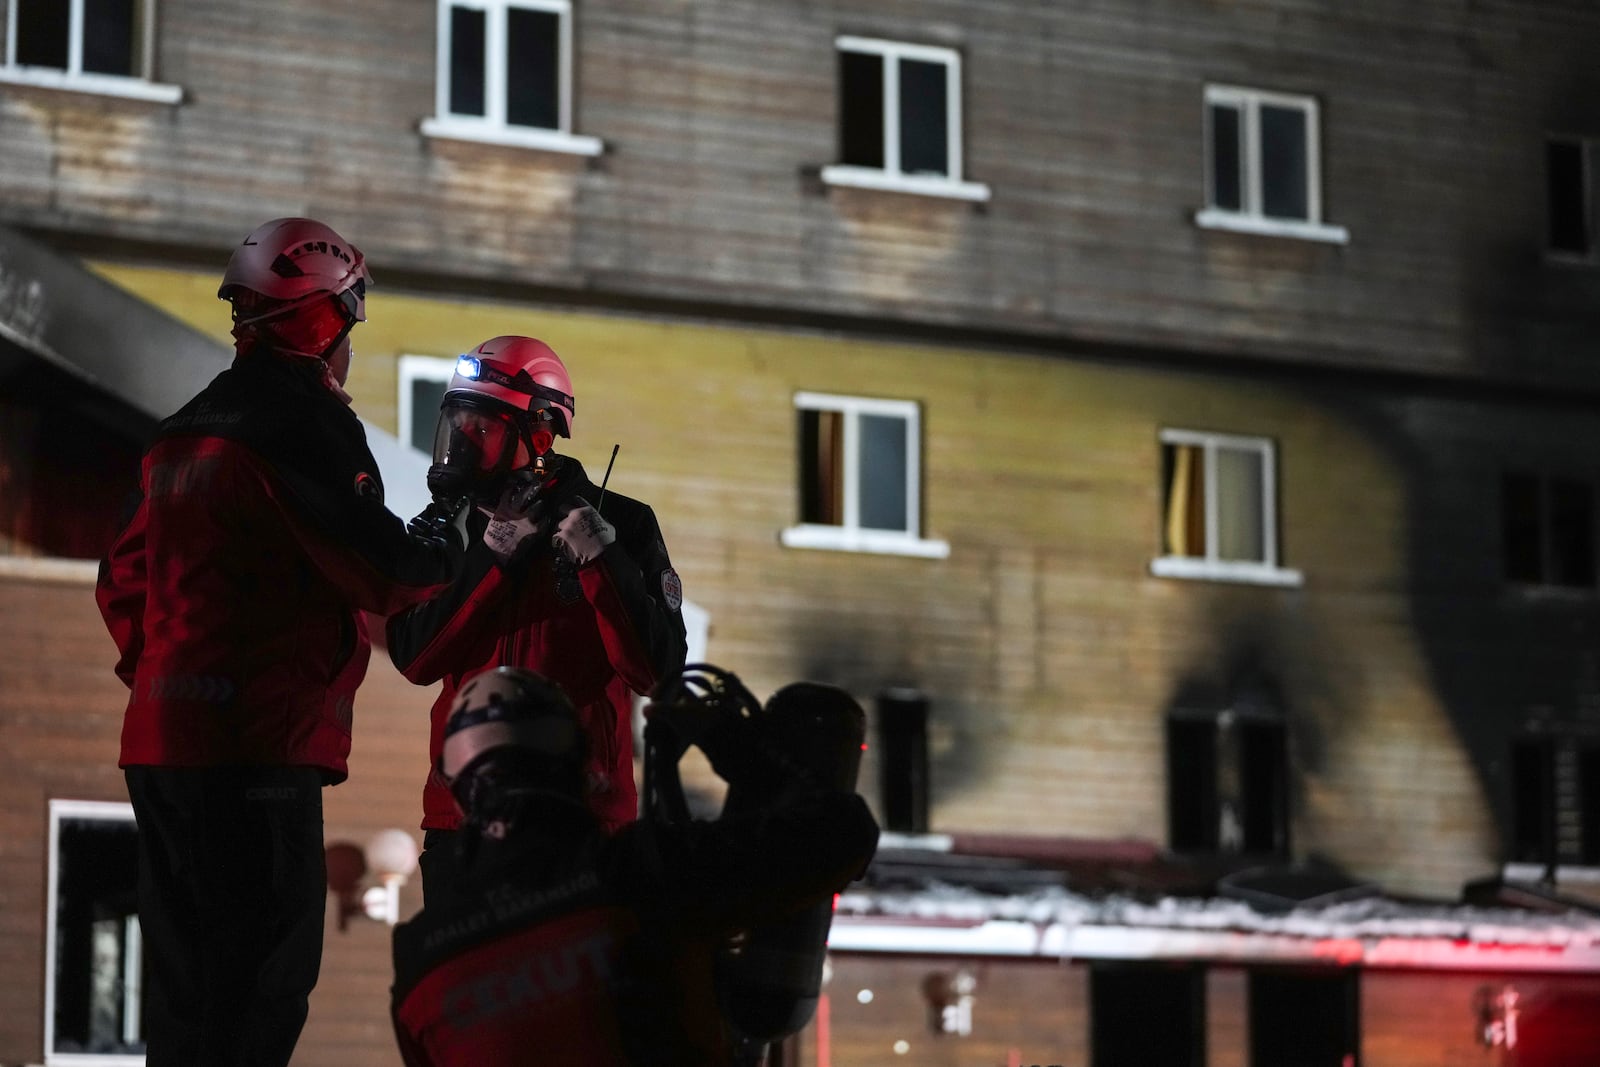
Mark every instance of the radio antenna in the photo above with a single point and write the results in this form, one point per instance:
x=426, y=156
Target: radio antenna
x=607, y=478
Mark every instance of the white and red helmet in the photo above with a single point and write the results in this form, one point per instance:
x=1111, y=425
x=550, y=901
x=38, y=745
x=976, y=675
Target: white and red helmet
x=298, y=281
x=511, y=731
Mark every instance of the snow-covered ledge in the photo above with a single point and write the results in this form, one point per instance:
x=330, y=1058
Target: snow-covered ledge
x=50, y=569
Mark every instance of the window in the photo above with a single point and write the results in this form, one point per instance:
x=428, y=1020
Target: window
x=1569, y=172
x=1124, y=999
x=1306, y=1018
x=1263, y=165
x=1219, y=509
x=859, y=475
x=103, y=46
x=505, y=75
x=423, y=380
x=1227, y=782
x=94, y=967
x=1555, y=800
x=900, y=119
x=1547, y=531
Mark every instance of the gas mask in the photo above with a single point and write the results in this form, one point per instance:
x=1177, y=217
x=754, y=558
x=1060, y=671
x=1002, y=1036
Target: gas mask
x=475, y=450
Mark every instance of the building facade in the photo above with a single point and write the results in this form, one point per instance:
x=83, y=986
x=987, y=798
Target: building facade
x=1184, y=413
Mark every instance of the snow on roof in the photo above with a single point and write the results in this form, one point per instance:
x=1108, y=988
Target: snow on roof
x=1367, y=918
x=1056, y=923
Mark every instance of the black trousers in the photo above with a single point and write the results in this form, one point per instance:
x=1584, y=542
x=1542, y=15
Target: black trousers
x=232, y=890
x=439, y=862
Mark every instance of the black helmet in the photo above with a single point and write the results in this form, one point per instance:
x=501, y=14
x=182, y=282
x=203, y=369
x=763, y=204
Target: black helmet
x=511, y=732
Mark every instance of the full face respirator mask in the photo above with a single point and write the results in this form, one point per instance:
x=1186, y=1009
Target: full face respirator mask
x=476, y=448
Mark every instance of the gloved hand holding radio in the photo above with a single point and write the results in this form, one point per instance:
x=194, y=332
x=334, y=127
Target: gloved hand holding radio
x=582, y=533
x=521, y=515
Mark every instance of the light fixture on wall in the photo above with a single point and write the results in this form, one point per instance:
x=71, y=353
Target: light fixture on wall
x=1495, y=1011
x=950, y=998
x=391, y=856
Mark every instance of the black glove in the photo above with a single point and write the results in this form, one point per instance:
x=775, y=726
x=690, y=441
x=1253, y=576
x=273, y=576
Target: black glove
x=720, y=723
x=443, y=522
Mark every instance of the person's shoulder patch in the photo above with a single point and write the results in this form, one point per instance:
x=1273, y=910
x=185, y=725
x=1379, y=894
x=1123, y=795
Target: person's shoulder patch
x=672, y=588
x=368, y=487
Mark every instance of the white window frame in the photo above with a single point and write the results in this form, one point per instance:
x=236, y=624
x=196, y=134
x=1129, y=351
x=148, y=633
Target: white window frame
x=849, y=536
x=413, y=369
x=1266, y=572
x=74, y=78
x=110, y=811
x=1591, y=159
x=1249, y=218
x=491, y=127
x=890, y=177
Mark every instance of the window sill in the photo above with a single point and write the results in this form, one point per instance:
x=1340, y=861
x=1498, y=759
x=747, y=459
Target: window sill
x=1225, y=571
x=845, y=539
x=94, y=1059
x=1570, y=874
x=1213, y=219
x=872, y=178
x=97, y=84
x=512, y=136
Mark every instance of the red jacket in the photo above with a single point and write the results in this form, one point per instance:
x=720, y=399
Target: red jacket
x=234, y=593
x=602, y=632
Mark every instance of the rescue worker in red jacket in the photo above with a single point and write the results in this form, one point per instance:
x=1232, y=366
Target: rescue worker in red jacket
x=561, y=577
x=234, y=595
x=561, y=945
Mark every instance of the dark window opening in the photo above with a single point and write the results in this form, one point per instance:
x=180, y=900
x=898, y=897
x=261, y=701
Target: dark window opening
x=1305, y=1020
x=1588, y=798
x=1555, y=799
x=42, y=27
x=1123, y=1002
x=98, y=977
x=1532, y=800
x=1192, y=784
x=1263, y=786
x=1521, y=529
x=468, y=51
x=1227, y=784
x=903, y=769
x=1570, y=226
x=924, y=117
x=533, y=46
x=1227, y=162
x=1571, y=533
x=1285, y=166
x=861, y=109
x=1547, y=531
x=110, y=33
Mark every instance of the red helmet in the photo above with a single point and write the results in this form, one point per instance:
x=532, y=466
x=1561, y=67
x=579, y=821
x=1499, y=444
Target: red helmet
x=508, y=399
x=283, y=275
x=524, y=374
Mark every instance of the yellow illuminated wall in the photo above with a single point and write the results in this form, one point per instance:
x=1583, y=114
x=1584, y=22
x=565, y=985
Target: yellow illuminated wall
x=1049, y=650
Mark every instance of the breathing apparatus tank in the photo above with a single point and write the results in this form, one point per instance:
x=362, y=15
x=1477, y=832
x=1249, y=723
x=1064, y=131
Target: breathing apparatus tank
x=770, y=976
